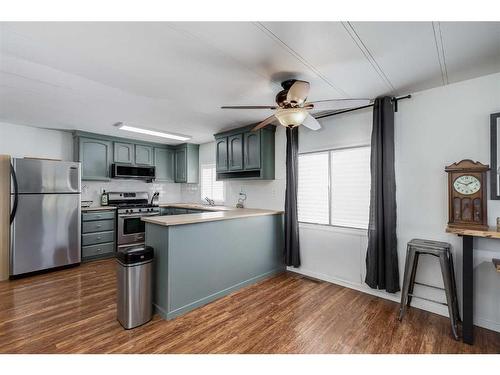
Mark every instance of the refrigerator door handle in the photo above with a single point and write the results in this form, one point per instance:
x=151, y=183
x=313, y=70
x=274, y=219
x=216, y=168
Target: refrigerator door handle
x=14, y=205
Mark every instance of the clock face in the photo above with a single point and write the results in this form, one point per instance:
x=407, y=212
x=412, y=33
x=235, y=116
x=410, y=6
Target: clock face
x=467, y=185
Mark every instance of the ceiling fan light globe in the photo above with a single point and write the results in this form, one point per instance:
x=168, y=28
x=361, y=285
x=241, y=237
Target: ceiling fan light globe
x=291, y=116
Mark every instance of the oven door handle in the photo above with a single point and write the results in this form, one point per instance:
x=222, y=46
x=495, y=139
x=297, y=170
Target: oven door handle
x=137, y=216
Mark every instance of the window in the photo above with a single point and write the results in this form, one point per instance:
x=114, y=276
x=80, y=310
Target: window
x=334, y=187
x=209, y=186
x=312, y=192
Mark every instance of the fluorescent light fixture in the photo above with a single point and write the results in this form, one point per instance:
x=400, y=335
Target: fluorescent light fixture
x=155, y=133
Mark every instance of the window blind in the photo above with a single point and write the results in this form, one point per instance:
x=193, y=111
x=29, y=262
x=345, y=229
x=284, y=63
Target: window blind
x=334, y=187
x=209, y=186
x=312, y=194
x=350, y=187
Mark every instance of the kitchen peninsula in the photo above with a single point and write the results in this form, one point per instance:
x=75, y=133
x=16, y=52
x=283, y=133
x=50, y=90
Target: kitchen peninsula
x=200, y=257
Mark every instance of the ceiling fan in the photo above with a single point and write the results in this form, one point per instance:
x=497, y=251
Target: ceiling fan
x=292, y=109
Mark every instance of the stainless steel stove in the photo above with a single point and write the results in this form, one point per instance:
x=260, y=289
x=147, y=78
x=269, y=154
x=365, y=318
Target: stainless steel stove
x=131, y=207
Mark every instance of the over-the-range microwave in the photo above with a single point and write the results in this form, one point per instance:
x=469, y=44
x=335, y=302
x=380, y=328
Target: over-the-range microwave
x=133, y=171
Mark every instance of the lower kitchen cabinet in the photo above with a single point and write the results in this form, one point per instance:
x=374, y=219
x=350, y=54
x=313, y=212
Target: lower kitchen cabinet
x=179, y=211
x=98, y=234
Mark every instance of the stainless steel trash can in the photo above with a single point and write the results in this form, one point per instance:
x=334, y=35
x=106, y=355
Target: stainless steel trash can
x=134, y=286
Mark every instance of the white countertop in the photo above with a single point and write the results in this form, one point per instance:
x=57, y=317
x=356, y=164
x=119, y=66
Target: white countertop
x=197, y=206
x=226, y=214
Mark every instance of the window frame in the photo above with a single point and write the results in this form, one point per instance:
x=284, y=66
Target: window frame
x=214, y=167
x=329, y=151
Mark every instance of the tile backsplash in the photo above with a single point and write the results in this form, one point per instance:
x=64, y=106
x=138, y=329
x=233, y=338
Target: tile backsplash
x=169, y=192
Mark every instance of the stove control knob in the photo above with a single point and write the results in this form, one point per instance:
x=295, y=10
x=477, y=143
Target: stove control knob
x=140, y=210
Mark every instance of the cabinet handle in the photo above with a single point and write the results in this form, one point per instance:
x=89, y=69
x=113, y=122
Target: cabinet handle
x=98, y=225
x=98, y=216
x=98, y=238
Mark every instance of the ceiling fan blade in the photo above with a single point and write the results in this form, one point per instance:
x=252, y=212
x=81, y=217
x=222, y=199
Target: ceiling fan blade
x=249, y=107
x=264, y=123
x=336, y=104
x=298, y=92
x=311, y=123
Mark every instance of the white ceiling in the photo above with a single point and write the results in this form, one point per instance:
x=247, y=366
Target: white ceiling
x=174, y=76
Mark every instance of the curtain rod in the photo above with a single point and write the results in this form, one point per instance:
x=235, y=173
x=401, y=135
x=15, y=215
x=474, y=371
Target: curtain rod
x=395, y=100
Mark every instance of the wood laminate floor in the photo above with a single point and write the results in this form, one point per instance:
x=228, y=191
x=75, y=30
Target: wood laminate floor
x=73, y=311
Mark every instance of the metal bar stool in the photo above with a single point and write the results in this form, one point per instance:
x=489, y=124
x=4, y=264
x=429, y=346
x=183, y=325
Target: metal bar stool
x=442, y=250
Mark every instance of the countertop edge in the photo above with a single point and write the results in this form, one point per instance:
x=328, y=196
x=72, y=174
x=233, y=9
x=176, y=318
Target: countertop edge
x=188, y=219
x=100, y=208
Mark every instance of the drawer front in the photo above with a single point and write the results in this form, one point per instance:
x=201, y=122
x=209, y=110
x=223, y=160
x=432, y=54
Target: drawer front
x=95, y=238
x=98, y=226
x=94, y=250
x=100, y=215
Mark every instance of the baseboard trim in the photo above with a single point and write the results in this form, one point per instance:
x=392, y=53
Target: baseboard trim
x=423, y=305
x=203, y=301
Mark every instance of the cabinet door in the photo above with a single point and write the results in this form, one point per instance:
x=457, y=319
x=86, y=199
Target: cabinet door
x=251, y=149
x=160, y=155
x=170, y=165
x=235, y=143
x=164, y=164
x=123, y=152
x=95, y=156
x=180, y=165
x=143, y=155
x=221, y=154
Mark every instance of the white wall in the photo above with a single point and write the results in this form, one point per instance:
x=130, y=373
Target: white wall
x=433, y=129
x=25, y=141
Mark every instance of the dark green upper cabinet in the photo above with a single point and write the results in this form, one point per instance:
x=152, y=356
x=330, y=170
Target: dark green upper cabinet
x=164, y=162
x=95, y=156
x=250, y=155
x=251, y=150
x=143, y=155
x=96, y=152
x=180, y=165
x=221, y=156
x=187, y=163
x=235, y=145
x=123, y=152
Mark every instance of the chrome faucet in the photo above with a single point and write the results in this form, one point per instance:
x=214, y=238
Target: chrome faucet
x=210, y=202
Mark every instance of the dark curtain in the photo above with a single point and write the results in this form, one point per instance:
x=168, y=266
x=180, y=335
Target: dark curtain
x=292, y=248
x=382, y=270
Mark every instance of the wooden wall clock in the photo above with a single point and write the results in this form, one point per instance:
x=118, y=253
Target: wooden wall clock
x=467, y=195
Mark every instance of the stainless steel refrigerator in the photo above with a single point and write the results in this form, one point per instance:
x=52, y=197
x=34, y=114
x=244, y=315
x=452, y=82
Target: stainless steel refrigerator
x=45, y=215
